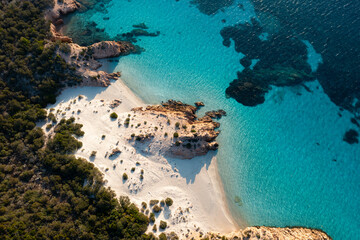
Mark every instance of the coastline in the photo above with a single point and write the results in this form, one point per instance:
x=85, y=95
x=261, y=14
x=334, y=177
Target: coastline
x=207, y=175
x=194, y=185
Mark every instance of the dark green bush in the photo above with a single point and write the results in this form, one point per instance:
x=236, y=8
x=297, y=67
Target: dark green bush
x=156, y=209
x=113, y=115
x=152, y=217
x=162, y=236
x=125, y=176
x=153, y=202
x=163, y=225
x=169, y=202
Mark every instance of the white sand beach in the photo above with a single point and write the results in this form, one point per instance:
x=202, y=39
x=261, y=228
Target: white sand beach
x=199, y=204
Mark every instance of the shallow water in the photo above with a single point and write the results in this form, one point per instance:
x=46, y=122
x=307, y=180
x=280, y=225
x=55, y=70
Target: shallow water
x=284, y=159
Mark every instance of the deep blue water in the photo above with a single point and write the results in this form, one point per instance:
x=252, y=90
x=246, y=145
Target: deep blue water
x=285, y=159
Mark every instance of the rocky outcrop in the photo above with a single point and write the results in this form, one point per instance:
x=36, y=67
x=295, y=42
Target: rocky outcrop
x=62, y=8
x=199, y=104
x=56, y=36
x=86, y=65
x=108, y=49
x=262, y=233
x=83, y=59
x=173, y=129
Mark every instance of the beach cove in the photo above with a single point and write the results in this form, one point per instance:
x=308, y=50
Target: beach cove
x=252, y=187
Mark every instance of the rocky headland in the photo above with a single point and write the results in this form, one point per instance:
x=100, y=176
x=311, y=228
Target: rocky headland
x=84, y=58
x=262, y=233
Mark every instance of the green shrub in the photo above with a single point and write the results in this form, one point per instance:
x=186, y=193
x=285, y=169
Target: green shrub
x=153, y=202
x=125, y=176
x=168, y=202
x=152, y=217
x=144, y=205
x=177, y=143
x=162, y=236
x=177, y=124
x=163, y=225
x=93, y=154
x=113, y=115
x=156, y=209
x=176, y=135
x=132, y=169
x=154, y=228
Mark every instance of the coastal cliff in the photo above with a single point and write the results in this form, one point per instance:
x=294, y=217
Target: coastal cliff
x=262, y=233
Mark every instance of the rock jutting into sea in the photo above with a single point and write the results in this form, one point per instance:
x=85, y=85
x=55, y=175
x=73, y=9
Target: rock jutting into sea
x=262, y=233
x=84, y=59
x=182, y=134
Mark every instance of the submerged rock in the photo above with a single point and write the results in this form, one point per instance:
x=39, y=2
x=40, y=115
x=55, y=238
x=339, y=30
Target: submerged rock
x=140, y=25
x=282, y=62
x=199, y=104
x=351, y=136
x=252, y=85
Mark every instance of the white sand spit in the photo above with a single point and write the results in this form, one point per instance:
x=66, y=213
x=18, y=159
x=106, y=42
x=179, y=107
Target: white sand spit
x=194, y=185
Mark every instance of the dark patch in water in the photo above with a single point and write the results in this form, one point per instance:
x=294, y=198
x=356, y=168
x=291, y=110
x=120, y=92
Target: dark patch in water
x=282, y=62
x=332, y=27
x=84, y=32
x=210, y=7
x=351, y=136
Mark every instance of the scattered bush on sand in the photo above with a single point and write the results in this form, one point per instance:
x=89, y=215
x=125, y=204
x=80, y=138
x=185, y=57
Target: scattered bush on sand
x=153, y=202
x=156, y=209
x=162, y=236
x=125, y=177
x=169, y=202
x=113, y=115
x=152, y=217
x=163, y=225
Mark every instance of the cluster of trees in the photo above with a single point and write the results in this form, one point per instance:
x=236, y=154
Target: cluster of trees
x=46, y=193
x=26, y=64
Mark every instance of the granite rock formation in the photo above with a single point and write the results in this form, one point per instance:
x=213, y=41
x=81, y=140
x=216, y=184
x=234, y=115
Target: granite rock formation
x=262, y=233
x=180, y=133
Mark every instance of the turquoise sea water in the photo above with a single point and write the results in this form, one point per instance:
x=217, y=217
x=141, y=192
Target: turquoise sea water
x=285, y=159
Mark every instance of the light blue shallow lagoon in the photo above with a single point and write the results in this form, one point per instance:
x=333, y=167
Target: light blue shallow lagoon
x=284, y=161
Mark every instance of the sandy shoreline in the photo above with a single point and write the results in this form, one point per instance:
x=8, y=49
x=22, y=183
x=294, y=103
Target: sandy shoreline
x=194, y=185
